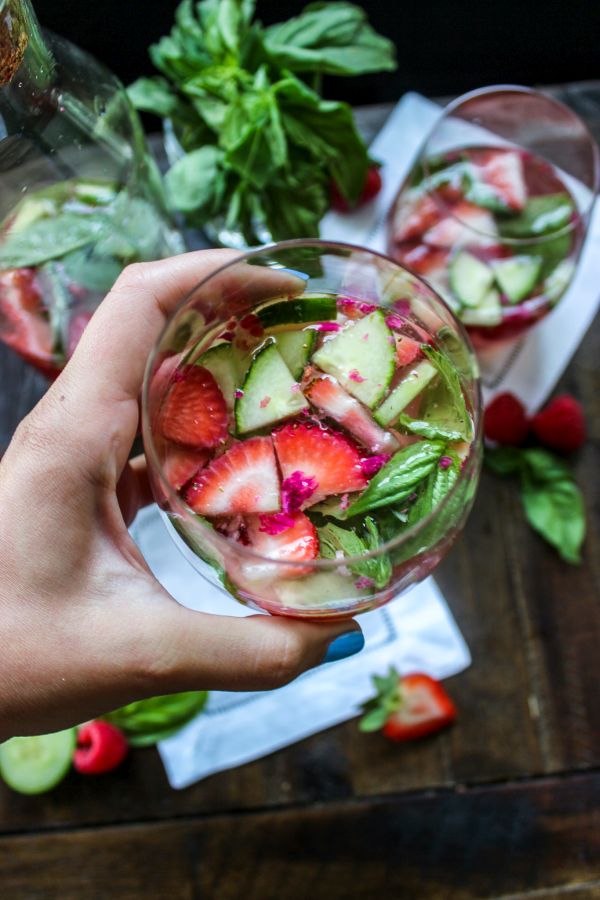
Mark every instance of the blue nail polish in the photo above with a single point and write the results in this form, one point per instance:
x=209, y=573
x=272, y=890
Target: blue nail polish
x=345, y=645
x=297, y=273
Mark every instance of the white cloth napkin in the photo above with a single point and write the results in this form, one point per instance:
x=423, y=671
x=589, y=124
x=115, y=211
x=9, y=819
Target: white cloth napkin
x=414, y=632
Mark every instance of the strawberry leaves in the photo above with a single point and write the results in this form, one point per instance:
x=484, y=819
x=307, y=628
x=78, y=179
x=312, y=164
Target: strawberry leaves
x=387, y=700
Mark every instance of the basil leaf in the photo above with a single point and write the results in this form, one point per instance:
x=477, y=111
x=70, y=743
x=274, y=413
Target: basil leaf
x=145, y=722
x=555, y=509
x=293, y=206
x=196, y=182
x=398, y=478
x=155, y=95
x=332, y=38
x=96, y=273
x=542, y=215
x=333, y=539
x=546, y=466
x=503, y=460
x=445, y=401
x=435, y=432
x=49, y=239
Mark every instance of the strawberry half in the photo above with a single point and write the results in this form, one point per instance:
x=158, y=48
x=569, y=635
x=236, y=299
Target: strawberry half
x=407, y=708
x=326, y=456
x=195, y=412
x=413, y=215
x=244, y=480
x=22, y=323
x=502, y=170
x=407, y=350
x=297, y=540
x=180, y=464
x=468, y=224
x=327, y=395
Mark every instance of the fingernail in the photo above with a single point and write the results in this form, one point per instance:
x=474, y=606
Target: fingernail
x=298, y=274
x=345, y=645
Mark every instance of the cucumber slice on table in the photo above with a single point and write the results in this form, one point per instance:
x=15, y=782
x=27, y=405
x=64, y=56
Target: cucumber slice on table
x=405, y=392
x=487, y=314
x=295, y=348
x=300, y=309
x=270, y=392
x=32, y=765
x=221, y=364
x=361, y=357
x=470, y=278
x=516, y=277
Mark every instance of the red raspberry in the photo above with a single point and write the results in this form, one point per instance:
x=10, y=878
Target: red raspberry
x=506, y=420
x=371, y=189
x=100, y=748
x=560, y=425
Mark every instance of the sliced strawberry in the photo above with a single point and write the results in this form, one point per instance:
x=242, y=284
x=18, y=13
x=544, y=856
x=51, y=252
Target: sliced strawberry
x=414, y=213
x=326, y=456
x=409, y=707
x=503, y=171
x=180, y=464
x=297, y=540
x=407, y=350
x=468, y=224
x=244, y=480
x=423, y=259
x=327, y=395
x=195, y=412
x=22, y=323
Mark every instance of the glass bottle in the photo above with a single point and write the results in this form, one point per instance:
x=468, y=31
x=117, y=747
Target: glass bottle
x=80, y=196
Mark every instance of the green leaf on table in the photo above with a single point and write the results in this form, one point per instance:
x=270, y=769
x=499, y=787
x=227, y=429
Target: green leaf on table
x=555, y=509
x=387, y=699
x=197, y=181
x=503, y=460
x=334, y=540
x=49, y=239
x=541, y=216
x=145, y=722
x=332, y=38
x=399, y=477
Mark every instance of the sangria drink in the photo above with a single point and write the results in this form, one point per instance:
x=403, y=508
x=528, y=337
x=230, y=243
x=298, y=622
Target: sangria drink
x=494, y=213
x=311, y=422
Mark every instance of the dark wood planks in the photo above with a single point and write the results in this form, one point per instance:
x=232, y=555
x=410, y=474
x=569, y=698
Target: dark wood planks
x=540, y=839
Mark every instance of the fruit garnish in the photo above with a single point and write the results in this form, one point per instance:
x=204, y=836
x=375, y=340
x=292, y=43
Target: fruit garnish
x=506, y=420
x=502, y=171
x=407, y=707
x=328, y=396
x=561, y=424
x=22, y=325
x=243, y=480
x=326, y=456
x=180, y=464
x=195, y=412
x=407, y=350
x=101, y=747
x=296, y=489
x=467, y=224
x=296, y=543
x=414, y=215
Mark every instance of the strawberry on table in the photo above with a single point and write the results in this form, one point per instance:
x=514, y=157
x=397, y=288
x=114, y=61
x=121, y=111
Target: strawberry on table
x=327, y=456
x=195, y=412
x=243, y=480
x=407, y=707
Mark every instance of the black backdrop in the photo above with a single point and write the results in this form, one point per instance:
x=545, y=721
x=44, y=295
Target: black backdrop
x=444, y=46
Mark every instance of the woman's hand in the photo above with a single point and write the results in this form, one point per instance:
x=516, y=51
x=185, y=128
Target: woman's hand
x=84, y=626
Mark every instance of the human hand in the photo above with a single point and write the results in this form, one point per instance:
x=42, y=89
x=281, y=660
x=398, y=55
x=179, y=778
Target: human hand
x=84, y=626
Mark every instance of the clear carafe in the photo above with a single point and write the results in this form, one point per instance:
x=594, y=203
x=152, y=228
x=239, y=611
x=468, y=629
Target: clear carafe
x=80, y=196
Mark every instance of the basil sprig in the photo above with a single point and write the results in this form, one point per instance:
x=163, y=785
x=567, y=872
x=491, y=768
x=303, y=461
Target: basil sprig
x=445, y=416
x=261, y=144
x=333, y=539
x=397, y=480
x=552, y=502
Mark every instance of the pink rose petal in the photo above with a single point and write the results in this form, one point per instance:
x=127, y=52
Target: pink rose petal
x=275, y=523
x=296, y=489
x=372, y=464
x=354, y=375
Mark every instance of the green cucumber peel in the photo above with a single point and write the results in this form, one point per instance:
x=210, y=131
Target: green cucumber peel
x=298, y=310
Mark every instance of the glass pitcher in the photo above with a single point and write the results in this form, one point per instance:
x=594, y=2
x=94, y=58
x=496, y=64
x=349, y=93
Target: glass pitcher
x=80, y=197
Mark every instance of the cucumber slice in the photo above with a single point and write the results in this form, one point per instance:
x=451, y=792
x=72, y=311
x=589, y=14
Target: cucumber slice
x=95, y=192
x=558, y=280
x=304, y=593
x=470, y=279
x=295, y=348
x=31, y=210
x=270, y=393
x=299, y=309
x=362, y=357
x=516, y=277
x=220, y=363
x=32, y=765
x=404, y=392
x=487, y=314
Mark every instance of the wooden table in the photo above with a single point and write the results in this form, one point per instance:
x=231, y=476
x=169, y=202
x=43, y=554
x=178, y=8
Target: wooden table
x=505, y=805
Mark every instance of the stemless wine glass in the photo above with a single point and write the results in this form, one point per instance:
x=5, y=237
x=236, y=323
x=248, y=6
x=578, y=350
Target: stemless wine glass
x=496, y=208
x=311, y=419
x=80, y=197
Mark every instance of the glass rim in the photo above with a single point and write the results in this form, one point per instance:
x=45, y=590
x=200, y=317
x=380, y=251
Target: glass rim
x=467, y=468
x=581, y=215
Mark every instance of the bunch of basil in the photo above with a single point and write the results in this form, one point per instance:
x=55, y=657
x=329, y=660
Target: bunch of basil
x=261, y=145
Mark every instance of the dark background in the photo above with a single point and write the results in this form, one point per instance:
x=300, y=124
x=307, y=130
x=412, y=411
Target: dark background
x=443, y=46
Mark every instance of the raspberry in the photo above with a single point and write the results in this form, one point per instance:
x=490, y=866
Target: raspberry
x=560, y=425
x=506, y=420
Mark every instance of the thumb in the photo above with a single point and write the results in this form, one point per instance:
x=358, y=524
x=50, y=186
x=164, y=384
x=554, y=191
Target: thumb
x=198, y=650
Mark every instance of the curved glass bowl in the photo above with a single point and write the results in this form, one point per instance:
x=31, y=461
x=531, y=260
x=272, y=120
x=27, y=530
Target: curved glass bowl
x=507, y=177
x=366, y=290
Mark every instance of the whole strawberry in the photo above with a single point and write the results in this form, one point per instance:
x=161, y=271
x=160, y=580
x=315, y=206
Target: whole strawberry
x=506, y=421
x=560, y=425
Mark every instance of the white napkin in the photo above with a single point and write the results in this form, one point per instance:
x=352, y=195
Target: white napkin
x=416, y=631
